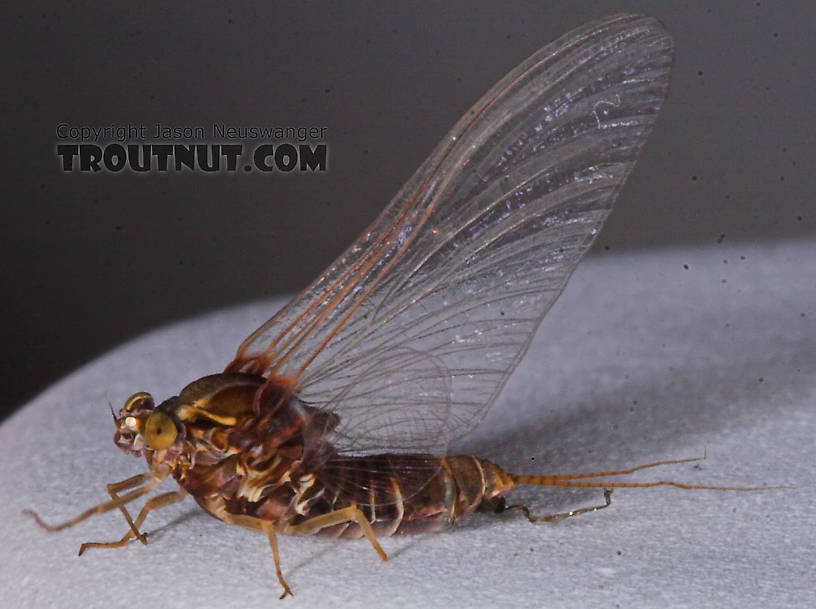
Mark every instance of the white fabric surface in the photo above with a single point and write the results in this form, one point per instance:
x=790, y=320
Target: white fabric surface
x=639, y=360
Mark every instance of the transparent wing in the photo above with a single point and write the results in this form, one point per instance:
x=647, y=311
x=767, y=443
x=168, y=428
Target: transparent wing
x=401, y=400
x=410, y=334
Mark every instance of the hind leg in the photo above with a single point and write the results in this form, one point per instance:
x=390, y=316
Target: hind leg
x=348, y=514
x=561, y=515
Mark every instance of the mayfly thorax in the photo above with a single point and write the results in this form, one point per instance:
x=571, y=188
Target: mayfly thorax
x=335, y=415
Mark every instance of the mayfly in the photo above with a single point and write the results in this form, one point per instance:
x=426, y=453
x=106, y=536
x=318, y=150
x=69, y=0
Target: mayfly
x=335, y=415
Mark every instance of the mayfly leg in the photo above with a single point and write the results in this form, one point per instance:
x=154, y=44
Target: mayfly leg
x=561, y=515
x=307, y=527
x=119, y=502
x=349, y=514
x=269, y=528
x=154, y=503
x=117, y=487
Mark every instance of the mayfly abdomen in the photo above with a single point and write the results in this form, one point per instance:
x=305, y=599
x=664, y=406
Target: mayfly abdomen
x=461, y=486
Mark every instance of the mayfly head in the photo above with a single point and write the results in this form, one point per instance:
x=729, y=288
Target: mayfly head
x=140, y=426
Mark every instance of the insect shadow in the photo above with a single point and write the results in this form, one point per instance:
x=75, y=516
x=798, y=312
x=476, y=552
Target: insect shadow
x=671, y=413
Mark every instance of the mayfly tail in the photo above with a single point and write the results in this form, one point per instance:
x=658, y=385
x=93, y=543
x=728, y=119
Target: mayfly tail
x=578, y=480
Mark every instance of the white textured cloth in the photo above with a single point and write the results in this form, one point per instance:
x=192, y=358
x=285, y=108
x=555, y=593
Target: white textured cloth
x=641, y=359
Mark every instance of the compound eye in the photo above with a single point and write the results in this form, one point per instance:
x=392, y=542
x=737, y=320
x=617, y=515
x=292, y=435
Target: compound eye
x=160, y=431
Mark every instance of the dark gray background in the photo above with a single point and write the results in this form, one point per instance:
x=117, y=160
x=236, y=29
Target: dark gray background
x=90, y=261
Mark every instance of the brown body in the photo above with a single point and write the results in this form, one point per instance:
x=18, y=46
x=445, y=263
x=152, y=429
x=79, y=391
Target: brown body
x=252, y=454
x=246, y=448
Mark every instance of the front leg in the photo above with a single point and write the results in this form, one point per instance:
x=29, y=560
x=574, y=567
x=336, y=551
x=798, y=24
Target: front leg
x=119, y=502
x=159, y=501
x=117, y=487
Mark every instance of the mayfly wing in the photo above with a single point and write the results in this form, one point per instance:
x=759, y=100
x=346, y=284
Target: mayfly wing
x=474, y=249
x=399, y=404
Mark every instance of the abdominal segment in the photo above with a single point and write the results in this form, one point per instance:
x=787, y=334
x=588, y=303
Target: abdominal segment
x=386, y=492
